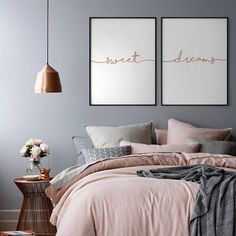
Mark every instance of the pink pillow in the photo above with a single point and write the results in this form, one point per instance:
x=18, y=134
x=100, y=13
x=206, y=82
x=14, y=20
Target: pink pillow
x=179, y=131
x=161, y=136
x=143, y=148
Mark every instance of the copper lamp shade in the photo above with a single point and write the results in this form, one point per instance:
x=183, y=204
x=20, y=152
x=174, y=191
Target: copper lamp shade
x=48, y=81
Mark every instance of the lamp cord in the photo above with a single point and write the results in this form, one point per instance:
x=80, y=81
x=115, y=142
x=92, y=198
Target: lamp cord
x=47, y=30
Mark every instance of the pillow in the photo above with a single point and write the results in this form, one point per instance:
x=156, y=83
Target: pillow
x=107, y=136
x=79, y=144
x=179, y=131
x=94, y=154
x=214, y=147
x=161, y=136
x=143, y=148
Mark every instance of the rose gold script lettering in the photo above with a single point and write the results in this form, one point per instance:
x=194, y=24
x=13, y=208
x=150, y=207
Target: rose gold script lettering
x=192, y=59
x=133, y=59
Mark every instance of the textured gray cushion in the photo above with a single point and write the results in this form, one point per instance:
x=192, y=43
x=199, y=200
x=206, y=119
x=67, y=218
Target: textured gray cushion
x=215, y=147
x=94, y=154
x=107, y=136
x=79, y=144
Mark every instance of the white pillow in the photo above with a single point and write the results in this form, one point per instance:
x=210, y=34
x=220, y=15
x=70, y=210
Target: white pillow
x=108, y=136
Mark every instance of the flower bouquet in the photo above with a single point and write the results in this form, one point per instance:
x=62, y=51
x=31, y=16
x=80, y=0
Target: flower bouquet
x=34, y=149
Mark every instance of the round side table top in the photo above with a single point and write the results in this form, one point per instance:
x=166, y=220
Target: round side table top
x=24, y=181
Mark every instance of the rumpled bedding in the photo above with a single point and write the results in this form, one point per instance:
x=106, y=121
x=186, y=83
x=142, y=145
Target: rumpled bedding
x=108, y=198
x=215, y=206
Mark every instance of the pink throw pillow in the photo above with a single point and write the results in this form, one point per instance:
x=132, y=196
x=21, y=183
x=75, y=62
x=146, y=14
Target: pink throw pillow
x=161, y=136
x=144, y=148
x=179, y=131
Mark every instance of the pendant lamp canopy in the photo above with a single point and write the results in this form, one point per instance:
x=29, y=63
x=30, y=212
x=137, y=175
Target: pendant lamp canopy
x=48, y=80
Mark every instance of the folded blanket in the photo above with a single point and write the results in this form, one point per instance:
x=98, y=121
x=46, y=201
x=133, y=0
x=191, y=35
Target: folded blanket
x=215, y=207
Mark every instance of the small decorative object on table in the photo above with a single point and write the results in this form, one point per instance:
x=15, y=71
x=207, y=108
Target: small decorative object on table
x=35, y=150
x=44, y=173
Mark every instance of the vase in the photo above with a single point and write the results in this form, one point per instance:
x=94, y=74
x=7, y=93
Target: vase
x=33, y=167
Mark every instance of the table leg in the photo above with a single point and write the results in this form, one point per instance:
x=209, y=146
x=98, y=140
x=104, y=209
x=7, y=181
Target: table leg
x=35, y=215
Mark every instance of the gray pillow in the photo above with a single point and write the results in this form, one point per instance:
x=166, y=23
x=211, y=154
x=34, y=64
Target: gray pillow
x=94, y=154
x=214, y=147
x=79, y=144
x=108, y=136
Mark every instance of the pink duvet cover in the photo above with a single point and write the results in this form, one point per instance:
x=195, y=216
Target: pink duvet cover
x=116, y=202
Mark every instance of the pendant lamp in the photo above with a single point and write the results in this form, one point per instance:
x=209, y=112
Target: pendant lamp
x=48, y=80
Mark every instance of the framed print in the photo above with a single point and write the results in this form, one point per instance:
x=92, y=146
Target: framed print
x=122, y=61
x=194, y=61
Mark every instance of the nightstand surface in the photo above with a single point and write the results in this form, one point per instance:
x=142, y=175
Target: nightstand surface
x=36, y=207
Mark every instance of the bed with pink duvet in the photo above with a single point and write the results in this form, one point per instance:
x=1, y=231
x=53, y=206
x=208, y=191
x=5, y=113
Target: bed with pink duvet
x=108, y=198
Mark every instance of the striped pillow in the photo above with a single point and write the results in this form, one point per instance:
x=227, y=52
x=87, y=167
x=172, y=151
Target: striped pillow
x=94, y=154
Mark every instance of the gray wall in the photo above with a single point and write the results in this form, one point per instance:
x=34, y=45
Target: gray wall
x=55, y=118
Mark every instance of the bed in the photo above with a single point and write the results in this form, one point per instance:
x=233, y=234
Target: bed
x=109, y=198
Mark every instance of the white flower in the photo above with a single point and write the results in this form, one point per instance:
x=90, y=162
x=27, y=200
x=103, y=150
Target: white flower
x=37, y=141
x=30, y=142
x=35, y=149
x=23, y=150
x=44, y=148
x=35, y=152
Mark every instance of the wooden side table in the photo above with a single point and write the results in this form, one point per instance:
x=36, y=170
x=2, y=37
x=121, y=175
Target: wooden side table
x=36, y=207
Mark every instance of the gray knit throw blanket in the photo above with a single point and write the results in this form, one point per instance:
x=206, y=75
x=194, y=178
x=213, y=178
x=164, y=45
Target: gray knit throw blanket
x=214, y=213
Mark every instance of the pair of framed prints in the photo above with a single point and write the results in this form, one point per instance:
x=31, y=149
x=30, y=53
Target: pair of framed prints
x=124, y=63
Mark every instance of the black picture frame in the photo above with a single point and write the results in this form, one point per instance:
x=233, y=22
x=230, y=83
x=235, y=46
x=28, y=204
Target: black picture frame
x=227, y=63
x=91, y=103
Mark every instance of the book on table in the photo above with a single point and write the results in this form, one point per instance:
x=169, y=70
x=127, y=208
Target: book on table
x=22, y=233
